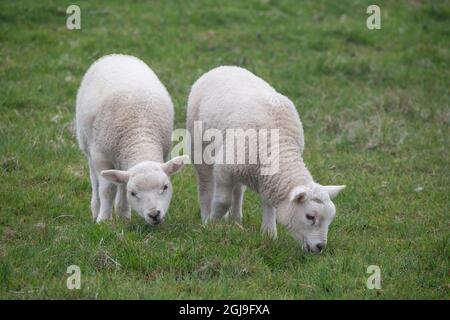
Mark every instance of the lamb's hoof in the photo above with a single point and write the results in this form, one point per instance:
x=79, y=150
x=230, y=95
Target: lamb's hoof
x=270, y=234
x=101, y=219
x=204, y=219
x=125, y=216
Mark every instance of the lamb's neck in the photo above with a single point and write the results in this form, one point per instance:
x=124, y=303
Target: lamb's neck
x=142, y=149
x=292, y=173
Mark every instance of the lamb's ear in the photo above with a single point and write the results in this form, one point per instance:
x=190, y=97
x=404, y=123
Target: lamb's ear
x=298, y=194
x=174, y=165
x=333, y=191
x=116, y=176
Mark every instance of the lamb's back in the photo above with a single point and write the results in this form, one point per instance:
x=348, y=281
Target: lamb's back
x=115, y=76
x=232, y=97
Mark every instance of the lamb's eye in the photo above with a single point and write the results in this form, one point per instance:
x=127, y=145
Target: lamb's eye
x=310, y=217
x=165, y=187
x=133, y=194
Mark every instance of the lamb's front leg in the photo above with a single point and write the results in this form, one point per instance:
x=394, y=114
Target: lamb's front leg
x=107, y=191
x=269, y=223
x=95, y=200
x=121, y=205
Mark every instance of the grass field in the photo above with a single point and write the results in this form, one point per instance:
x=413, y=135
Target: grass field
x=376, y=114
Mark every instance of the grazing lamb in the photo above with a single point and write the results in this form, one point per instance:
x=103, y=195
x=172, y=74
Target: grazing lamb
x=231, y=97
x=124, y=119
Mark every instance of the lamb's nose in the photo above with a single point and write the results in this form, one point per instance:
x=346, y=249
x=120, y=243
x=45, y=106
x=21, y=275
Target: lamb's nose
x=320, y=246
x=154, y=214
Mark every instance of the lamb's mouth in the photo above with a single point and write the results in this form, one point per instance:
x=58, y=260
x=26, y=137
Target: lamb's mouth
x=155, y=222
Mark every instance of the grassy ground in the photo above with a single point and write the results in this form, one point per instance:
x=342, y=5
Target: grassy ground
x=375, y=108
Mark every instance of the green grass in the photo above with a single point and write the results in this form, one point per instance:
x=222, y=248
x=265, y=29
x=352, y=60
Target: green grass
x=375, y=109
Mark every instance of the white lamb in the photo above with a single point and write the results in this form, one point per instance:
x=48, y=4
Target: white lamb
x=124, y=118
x=232, y=97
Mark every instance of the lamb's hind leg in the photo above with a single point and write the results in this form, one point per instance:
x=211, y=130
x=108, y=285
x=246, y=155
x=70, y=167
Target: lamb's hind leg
x=205, y=179
x=95, y=199
x=222, y=199
x=121, y=203
x=236, y=203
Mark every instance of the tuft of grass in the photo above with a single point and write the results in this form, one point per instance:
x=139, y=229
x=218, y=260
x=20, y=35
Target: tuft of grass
x=375, y=109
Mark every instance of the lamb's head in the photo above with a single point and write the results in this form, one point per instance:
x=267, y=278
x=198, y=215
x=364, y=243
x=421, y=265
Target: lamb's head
x=149, y=189
x=308, y=212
